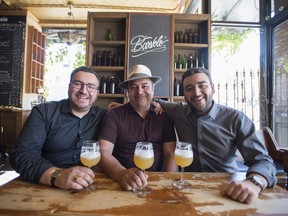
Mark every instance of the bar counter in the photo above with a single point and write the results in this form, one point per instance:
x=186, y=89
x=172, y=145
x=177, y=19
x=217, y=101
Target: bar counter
x=23, y=198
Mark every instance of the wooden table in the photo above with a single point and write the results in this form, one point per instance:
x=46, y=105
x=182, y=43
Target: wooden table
x=22, y=198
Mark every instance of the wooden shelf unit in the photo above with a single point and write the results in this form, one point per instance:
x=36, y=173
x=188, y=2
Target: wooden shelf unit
x=201, y=49
x=35, y=60
x=107, y=57
x=100, y=23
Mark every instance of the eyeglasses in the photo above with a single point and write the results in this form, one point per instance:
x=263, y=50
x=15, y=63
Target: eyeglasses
x=79, y=85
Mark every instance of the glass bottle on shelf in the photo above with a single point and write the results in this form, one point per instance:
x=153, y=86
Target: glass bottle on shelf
x=109, y=58
x=190, y=36
x=181, y=37
x=201, y=61
x=175, y=61
x=179, y=62
x=196, y=62
x=190, y=62
x=184, y=62
x=176, y=87
x=109, y=35
x=195, y=35
x=120, y=61
x=114, y=62
x=94, y=59
x=186, y=36
x=111, y=85
x=103, y=85
x=200, y=37
x=176, y=37
x=99, y=58
x=104, y=58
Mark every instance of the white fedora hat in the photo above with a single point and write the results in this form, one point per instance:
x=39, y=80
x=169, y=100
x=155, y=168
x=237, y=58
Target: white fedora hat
x=139, y=72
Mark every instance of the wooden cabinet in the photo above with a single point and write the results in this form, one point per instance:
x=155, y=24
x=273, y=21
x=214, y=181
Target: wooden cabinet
x=102, y=47
x=35, y=60
x=11, y=122
x=193, y=45
x=106, y=53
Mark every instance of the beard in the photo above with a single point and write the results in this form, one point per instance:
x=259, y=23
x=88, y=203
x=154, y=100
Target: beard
x=200, y=110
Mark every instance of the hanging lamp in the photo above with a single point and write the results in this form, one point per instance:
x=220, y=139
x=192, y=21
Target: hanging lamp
x=70, y=35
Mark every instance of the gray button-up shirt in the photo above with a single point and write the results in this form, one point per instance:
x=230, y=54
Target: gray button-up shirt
x=215, y=138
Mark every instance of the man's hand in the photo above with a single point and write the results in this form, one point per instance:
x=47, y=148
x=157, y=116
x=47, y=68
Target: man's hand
x=157, y=107
x=245, y=191
x=77, y=177
x=132, y=178
x=114, y=105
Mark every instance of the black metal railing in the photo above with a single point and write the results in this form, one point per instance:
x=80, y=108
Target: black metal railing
x=242, y=93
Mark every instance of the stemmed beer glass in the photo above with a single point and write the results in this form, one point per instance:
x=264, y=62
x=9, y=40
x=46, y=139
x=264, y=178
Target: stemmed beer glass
x=143, y=159
x=183, y=157
x=90, y=156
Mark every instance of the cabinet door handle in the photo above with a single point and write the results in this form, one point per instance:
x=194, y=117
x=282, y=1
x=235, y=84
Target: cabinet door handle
x=2, y=129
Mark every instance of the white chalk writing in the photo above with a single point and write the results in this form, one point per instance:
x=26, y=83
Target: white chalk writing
x=141, y=45
x=3, y=19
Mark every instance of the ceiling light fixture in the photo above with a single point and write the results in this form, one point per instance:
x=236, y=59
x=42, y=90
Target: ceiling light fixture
x=70, y=35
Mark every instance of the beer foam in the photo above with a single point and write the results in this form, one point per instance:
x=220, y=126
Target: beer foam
x=184, y=153
x=144, y=154
x=90, y=155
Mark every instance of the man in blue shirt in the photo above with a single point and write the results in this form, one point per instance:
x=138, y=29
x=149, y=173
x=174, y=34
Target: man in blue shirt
x=48, y=148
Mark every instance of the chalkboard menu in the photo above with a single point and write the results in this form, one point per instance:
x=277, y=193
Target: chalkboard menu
x=11, y=63
x=149, y=44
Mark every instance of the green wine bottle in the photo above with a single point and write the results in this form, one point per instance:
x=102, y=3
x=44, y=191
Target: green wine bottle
x=109, y=35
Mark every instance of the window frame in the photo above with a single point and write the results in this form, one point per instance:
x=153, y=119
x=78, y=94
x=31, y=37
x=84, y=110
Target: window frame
x=268, y=62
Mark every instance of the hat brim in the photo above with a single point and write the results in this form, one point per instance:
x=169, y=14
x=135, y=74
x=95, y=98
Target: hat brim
x=124, y=84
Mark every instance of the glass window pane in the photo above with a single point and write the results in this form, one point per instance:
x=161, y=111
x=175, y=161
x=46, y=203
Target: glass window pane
x=235, y=67
x=280, y=95
x=235, y=10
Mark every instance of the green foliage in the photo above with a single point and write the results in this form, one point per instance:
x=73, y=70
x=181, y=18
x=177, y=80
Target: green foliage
x=52, y=58
x=59, y=53
x=227, y=42
x=80, y=56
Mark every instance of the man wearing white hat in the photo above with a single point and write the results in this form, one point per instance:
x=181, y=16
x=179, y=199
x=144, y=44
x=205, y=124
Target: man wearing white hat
x=135, y=121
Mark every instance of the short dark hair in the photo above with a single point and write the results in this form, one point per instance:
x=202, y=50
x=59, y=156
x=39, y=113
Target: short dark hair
x=192, y=71
x=85, y=69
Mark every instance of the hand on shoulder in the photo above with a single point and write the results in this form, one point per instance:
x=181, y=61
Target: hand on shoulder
x=157, y=108
x=114, y=105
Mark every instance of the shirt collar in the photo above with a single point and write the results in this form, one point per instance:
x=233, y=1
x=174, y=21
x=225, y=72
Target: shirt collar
x=131, y=109
x=66, y=108
x=212, y=113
